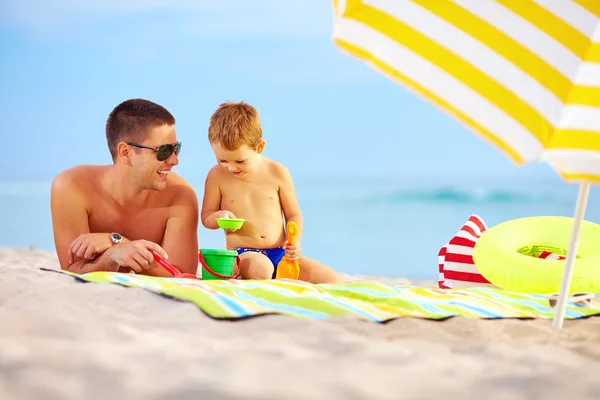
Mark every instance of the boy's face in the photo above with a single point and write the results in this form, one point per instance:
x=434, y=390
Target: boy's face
x=239, y=162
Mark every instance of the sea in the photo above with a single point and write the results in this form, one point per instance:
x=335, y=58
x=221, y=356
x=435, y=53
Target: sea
x=368, y=225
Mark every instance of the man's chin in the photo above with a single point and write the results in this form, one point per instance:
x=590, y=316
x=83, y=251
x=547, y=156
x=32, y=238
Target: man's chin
x=159, y=185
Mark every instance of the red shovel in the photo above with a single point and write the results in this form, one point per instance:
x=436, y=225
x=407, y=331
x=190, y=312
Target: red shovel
x=171, y=269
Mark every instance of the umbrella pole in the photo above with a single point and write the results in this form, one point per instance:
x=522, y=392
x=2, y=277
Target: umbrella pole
x=561, y=303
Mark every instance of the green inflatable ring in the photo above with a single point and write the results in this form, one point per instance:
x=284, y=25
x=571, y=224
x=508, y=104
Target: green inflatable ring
x=507, y=255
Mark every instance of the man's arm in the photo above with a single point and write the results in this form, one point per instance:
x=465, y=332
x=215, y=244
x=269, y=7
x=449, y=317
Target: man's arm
x=211, y=202
x=103, y=262
x=288, y=199
x=69, y=220
x=180, y=240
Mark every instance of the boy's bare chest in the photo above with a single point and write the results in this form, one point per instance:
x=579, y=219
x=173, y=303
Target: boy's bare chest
x=254, y=195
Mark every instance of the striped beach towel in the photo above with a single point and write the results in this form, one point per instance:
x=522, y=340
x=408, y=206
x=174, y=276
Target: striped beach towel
x=455, y=259
x=237, y=299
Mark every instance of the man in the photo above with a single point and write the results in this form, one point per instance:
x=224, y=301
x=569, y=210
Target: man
x=112, y=217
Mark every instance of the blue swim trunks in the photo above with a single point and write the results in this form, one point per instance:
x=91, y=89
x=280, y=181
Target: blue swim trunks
x=275, y=255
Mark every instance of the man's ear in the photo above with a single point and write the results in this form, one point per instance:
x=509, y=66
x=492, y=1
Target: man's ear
x=260, y=146
x=124, y=153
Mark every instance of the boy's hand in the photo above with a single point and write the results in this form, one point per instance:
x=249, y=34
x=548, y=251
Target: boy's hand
x=292, y=252
x=226, y=214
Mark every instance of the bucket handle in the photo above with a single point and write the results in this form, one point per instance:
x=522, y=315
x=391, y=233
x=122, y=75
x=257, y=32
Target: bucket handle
x=171, y=269
x=206, y=267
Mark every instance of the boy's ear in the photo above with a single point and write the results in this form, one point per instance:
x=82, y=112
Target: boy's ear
x=260, y=146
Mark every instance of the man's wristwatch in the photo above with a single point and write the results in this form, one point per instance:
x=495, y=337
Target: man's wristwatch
x=115, y=238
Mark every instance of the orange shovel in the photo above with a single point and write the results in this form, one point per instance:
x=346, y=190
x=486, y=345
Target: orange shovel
x=287, y=268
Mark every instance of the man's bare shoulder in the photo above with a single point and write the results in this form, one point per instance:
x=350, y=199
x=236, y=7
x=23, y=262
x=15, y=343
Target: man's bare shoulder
x=180, y=190
x=176, y=181
x=78, y=178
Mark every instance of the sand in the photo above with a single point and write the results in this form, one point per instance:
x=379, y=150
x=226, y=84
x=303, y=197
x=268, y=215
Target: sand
x=60, y=339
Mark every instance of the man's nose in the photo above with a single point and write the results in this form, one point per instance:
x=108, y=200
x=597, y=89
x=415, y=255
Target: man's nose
x=173, y=160
x=231, y=168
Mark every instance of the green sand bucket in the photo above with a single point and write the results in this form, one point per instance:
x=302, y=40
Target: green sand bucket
x=218, y=264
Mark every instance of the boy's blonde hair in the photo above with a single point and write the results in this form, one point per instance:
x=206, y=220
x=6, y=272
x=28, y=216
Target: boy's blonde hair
x=233, y=125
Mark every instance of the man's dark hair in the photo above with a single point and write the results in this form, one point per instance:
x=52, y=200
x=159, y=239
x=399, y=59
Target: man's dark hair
x=132, y=120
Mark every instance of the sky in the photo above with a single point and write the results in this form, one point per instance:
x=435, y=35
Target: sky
x=67, y=63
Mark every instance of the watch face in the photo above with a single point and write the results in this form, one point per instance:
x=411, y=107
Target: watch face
x=115, y=237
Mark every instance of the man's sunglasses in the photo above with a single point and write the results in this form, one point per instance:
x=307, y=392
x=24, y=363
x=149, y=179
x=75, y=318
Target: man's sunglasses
x=163, y=152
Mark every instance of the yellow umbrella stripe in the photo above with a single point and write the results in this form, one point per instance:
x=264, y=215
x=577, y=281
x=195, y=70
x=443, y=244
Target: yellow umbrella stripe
x=585, y=95
x=398, y=77
x=456, y=66
x=551, y=24
x=594, y=54
x=509, y=48
x=576, y=139
x=578, y=177
x=592, y=6
x=518, y=54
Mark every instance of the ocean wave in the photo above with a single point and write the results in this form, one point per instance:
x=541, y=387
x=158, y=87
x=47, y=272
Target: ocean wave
x=467, y=196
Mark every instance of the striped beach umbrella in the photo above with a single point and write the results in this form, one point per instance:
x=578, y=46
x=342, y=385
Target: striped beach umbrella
x=522, y=74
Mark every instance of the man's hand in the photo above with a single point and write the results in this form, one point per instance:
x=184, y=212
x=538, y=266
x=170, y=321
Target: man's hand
x=292, y=252
x=88, y=246
x=135, y=254
x=225, y=214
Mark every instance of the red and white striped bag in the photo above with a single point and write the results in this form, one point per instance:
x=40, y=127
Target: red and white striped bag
x=455, y=259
